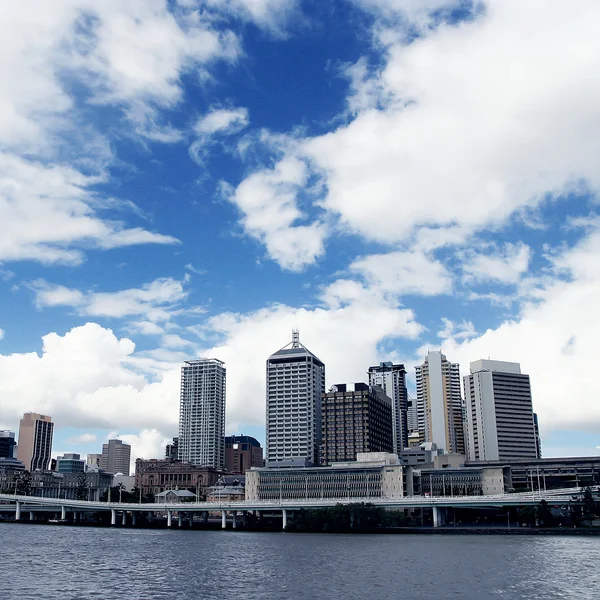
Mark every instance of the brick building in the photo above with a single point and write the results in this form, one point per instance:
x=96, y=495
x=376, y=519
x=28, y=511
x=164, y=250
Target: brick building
x=242, y=452
x=355, y=421
x=157, y=475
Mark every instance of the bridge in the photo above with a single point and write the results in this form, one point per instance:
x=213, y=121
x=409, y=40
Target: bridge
x=19, y=504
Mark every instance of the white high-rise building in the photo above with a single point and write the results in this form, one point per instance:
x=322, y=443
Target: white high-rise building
x=392, y=378
x=501, y=424
x=439, y=403
x=202, y=413
x=295, y=383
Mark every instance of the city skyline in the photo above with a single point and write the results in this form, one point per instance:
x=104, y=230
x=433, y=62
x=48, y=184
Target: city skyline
x=287, y=373
x=388, y=177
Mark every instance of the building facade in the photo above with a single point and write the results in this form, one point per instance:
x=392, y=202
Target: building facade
x=242, y=452
x=70, y=463
x=355, y=421
x=392, y=379
x=116, y=457
x=376, y=475
x=202, y=413
x=7, y=444
x=295, y=384
x=172, y=449
x=439, y=403
x=35, y=441
x=155, y=476
x=499, y=412
x=94, y=460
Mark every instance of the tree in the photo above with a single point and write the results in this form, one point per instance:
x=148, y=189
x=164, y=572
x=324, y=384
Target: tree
x=545, y=517
x=81, y=490
x=23, y=483
x=589, y=506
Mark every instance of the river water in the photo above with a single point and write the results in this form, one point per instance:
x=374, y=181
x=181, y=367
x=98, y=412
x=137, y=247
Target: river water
x=71, y=563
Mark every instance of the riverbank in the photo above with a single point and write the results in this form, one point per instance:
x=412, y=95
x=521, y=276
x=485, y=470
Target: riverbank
x=273, y=527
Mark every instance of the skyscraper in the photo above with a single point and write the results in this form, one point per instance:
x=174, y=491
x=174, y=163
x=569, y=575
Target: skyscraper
x=355, y=420
x=116, y=457
x=7, y=444
x=295, y=382
x=202, y=413
x=392, y=379
x=35, y=441
x=500, y=420
x=439, y=403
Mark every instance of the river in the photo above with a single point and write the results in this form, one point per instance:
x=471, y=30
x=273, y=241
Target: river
x=78, y=563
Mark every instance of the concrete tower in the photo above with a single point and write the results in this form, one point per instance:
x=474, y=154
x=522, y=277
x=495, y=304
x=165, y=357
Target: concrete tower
x=202, y=413
x=439, y=403
x=392, y=379
x=35, y=441
x=295, y=383
x=501, y=424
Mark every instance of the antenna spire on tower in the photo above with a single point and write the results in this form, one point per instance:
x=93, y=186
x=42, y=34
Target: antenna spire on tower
x=295, y=338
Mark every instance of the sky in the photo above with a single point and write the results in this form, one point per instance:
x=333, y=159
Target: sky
x=195, y=178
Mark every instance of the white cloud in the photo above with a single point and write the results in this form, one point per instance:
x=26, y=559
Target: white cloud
x=129, y=55
x=2, y=332
x=270, y=14
x=555, y=339
x=148, y=443
x=84, y=438
x=456, y=331
x=268, y=200
x=156, y=301
x=404, y=273
x=89, y=378
x=217, y=122
x=146, y=328
x=222, y=120
x=505, y=265
x=47, y=214
x=458, y=130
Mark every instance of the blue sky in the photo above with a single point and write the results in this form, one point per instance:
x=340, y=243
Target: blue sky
x=197, y=177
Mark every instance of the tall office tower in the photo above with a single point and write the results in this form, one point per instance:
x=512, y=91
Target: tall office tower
x=353, y=421
x=35, y=441
x=295, y=383
x=439, y=403
x=202, y=413
x=7, y=444
x=116, y=457
x=500, y=420
x=392, y=378
x=412, y=419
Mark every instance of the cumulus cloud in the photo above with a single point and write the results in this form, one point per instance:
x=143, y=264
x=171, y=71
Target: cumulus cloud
x=404, y=273
x=458, y=129
x=504, y=265
x=88, y=378
x=155, y=301
x=554, y=338
x=84, y=438
x=268, y=201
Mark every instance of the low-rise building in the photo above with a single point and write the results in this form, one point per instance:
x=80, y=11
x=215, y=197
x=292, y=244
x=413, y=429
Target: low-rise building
x=548, y=473
x=372, y=475
x=473, y=481
x=154, y=476
x=174, y=497
x=70, y=463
